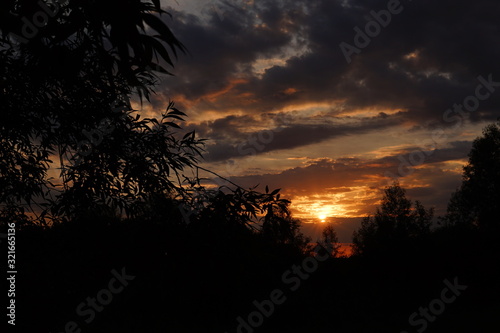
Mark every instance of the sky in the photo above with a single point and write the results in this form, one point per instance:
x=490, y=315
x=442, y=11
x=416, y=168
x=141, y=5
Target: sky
x=331, y=101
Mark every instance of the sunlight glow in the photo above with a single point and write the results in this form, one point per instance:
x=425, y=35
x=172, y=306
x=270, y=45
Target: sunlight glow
x=353, y=201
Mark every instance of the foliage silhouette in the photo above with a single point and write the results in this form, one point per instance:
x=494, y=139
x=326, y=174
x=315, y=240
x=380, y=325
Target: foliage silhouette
x=396, y=225
x=66, y=96
x=69, y=84
x=330, y=241
x=116, y=34
x=477, y=202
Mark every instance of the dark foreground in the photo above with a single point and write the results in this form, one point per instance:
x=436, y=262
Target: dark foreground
x=139, y=277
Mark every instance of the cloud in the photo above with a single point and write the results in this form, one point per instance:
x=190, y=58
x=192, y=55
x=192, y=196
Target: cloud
x=357, y=183
x=425, y=60
x=270, y=58
x=297, y=133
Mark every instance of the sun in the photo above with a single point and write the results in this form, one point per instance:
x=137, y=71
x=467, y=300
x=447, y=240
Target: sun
x=322, y=217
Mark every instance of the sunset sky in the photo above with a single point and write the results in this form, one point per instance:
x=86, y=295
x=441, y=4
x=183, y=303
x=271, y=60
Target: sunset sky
x=268, y=84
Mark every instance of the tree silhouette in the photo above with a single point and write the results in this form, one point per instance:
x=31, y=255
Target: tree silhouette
x=125, y=38
x=65, y=96
x=330, y=240
x=396, y=224
x=278, y=223
x=477, y=201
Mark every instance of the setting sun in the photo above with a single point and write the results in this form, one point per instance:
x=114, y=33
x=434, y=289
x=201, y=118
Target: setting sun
x=322, y=217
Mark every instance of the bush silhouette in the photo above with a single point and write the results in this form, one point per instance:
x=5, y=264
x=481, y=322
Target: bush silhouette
x=397, y=225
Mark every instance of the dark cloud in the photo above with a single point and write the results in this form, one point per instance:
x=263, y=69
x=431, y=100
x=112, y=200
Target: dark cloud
x=285, y=137
x=453, y=43
x=268, y=57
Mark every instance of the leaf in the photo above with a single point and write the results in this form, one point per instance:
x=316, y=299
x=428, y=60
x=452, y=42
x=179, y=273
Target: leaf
x=177, y=112
x=165, y=33
x=175, y=117
x=187, y=135
x=169, y=123
x=159, y=68
x=161, y=50
x=157, y=4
